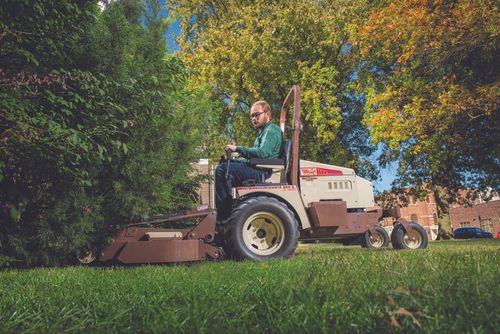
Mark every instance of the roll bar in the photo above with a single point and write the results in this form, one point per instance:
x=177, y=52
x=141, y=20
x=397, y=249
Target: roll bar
x=294, y=94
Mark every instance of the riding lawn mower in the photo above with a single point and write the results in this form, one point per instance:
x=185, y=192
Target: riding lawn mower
x=302, y=200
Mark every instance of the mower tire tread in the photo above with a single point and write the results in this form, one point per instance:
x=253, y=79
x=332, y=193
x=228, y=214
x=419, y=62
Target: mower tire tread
x=234, y=241
x=369, y=243
x=399, y=236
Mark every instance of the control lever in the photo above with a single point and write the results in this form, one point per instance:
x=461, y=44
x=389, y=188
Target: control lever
x=228, y=159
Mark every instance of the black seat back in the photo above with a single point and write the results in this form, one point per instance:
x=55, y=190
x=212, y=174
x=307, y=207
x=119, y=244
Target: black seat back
x=286, y=154
x=286, y=151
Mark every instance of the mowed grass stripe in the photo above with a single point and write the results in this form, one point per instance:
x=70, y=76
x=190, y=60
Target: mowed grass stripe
x=452, y=286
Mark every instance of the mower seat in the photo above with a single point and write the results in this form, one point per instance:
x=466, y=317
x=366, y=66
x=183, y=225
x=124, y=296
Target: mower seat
x=279, y=165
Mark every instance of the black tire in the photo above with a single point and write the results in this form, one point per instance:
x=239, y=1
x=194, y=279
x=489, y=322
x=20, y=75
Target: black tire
x=261, y=228
x=416, y=240
x=377, y=239
x=221, y=256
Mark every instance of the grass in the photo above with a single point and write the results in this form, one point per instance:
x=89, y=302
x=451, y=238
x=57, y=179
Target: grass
x=452, y=287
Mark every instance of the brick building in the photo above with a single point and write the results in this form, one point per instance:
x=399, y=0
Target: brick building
x=485, y=215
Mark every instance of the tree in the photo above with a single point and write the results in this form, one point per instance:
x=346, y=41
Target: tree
x=162, y=139
x=49, y=128
x=96, y=125
x=430, y=73
x=250, y=50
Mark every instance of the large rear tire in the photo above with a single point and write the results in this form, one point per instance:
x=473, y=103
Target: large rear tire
x=377, y=239
x=416, y=239
x=261, y=228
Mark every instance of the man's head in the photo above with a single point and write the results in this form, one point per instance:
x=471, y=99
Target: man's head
x=260, y=113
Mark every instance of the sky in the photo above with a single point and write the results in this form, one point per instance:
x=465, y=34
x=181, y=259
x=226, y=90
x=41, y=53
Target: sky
x=387, y=174
x=173, y=31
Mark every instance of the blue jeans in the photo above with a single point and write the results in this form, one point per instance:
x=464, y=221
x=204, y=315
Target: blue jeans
x=238, y=172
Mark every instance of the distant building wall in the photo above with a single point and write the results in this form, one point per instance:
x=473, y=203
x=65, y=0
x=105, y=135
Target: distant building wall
x=483, y=215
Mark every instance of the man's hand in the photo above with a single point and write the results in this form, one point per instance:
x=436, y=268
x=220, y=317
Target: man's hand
x=232, y=148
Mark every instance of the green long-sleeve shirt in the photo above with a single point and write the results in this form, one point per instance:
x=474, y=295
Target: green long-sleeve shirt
x=267, y=145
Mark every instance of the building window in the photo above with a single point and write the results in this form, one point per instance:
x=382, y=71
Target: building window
x=487, y=225
x=435, y=217
x=464, y=224
x=414, y=218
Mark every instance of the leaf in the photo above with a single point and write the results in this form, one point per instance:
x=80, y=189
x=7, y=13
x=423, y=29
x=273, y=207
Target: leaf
x=100, y=149
x=14, y=213
x=405, y=312
x=394, y=322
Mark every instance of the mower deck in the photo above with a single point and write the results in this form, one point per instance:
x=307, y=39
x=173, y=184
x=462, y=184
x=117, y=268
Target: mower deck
x=139, y=244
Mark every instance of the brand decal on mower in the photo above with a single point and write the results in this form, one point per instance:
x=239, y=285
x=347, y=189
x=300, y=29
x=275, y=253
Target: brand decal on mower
x=285, y=187
x=319, y=172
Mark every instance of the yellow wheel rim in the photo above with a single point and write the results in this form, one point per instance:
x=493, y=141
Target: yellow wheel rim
x=263, y=233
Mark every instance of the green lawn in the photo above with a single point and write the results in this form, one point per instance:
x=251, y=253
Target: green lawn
x=451, y=287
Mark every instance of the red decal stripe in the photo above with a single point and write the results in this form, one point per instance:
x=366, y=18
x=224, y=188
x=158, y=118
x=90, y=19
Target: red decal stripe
x=324, y=171
x=319, y=172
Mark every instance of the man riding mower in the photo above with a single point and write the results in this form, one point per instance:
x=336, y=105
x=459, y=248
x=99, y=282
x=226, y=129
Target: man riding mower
x=265, y=205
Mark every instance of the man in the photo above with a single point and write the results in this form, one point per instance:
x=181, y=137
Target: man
x=267, y=145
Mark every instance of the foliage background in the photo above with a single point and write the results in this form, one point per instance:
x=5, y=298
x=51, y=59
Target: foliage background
x=433, y=90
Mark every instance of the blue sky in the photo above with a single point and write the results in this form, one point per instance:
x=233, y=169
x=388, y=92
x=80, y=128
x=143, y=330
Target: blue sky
x=387, y=174
x=173, y=31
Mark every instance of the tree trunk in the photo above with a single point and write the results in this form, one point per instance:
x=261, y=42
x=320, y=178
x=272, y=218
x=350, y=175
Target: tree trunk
x=444, y=222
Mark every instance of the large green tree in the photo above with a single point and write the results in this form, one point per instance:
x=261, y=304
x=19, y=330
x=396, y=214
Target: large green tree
x=51, y=122
x=249, y=50
x=165, y=115
x=96, y=124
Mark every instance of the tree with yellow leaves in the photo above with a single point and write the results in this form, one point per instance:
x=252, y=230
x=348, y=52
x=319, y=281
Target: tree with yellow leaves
x=431, y=77
x=251, y=50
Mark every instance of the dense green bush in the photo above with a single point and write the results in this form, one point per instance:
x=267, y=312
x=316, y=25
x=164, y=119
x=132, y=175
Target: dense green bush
x=96, y=125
